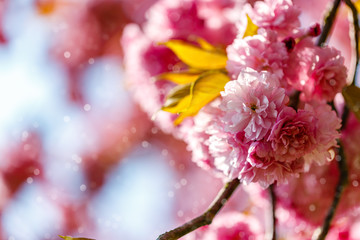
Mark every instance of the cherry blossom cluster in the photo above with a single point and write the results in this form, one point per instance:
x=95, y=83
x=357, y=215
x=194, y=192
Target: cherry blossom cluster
x=272, y=120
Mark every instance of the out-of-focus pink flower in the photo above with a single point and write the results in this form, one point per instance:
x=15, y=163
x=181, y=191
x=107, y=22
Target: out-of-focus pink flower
x=318, y=72
x=144, y=60
x=173, y=19
x=259, y=52
x=169, y=19
x=279, y=15
x=293, y=134
x=251, y=104
x=233, y=226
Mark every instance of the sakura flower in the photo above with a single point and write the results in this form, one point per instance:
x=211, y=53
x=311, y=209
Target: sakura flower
x=327, y=126
x=279, y=15
x=327, y=75
x=318, y=72
x=173, y=19
x=143, y=60
x=293, y=134
x=260, y=52
x=251, y=104
x=261, y=166
x=233, y=226
x=199, y=135
x=209, y=143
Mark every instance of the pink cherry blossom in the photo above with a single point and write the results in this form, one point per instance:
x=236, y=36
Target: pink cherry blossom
x=293, y=134
x=279, y=15
x=234, y=226
x=251, y=104
x=206, y=125
x=327, y=126
x=260, y=52
x=327, y=74
x=143, y=60
x=319, y=73
x=261, y=166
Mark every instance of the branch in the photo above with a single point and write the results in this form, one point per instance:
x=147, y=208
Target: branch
x=207, y=217
x=273, y=203
x=342, y=183
x=329, y=21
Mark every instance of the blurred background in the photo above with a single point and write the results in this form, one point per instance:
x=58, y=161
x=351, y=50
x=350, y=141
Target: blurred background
x=78, y=156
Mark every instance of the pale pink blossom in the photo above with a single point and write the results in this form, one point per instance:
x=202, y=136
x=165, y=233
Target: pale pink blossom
x=173, y=19
x=318, y=72
x=251, y=104
x=210, y=144
x=327, y=126
x=259, y=52
x=184, y=19
x=279, y=15
x=293, y=135
x=206, y=126
x=143, y=60
x=317, y=187
x=327, y=75
x=261, y=166
x=233, y=226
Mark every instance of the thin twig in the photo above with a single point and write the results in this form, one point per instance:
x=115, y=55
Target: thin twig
x=207, y=217
x=329, y=21
x=273, y=203
x=342, y=183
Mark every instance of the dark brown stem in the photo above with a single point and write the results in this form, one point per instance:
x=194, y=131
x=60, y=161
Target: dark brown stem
x=342, y=183
x=273, y=204
x=329, y=21
x=207, y=217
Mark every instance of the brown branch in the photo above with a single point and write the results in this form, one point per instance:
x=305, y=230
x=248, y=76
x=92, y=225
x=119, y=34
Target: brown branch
x=342, y=183
x=207, y=217
x=329, y=21
x=273, y=203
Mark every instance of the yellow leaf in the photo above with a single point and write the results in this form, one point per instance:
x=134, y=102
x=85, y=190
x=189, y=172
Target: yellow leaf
x=182, y=77
x=251, y=28
x=196, y=57
x=71, y=238
x=204, y=90
x=205, y=44
x=352, y=97
x=357, y=5
x=178, y=99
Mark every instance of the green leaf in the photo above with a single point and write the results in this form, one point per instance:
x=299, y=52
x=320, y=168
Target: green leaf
x=178, y=99
x=251, y=28
x=196, y=57
x=203, y=90
x=352, y=97
x=182, y=77
x=71, y=238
